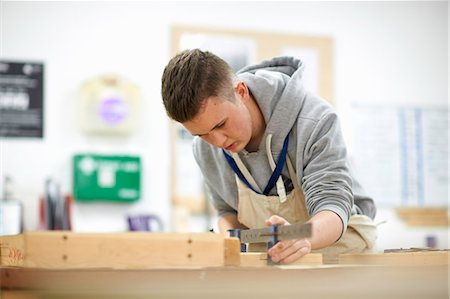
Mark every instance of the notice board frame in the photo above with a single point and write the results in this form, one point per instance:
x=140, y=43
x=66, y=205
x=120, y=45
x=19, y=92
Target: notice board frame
x=21, y=98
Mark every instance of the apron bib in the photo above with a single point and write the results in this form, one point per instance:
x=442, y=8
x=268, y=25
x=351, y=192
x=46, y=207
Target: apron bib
x=254, y=208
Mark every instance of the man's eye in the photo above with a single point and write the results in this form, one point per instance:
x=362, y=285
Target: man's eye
x=221, y=125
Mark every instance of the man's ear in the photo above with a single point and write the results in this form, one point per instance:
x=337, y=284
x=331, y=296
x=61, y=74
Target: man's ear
x=242, y=90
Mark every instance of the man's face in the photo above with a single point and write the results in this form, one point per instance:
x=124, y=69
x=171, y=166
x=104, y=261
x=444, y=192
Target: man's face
x=222, y=123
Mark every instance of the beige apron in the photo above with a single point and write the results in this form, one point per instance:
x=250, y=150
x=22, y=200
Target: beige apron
x=254, y=209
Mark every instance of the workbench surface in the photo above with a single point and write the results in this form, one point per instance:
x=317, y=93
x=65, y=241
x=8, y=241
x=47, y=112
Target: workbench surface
x=326, y=281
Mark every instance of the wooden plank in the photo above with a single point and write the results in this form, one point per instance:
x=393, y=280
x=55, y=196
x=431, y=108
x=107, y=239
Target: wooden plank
x=415, y=216
x=421, y=258
x=19, y=295
x=259, y=259
x=12, y=250
x=232, y=252
x=68, y=250
x=336, y=281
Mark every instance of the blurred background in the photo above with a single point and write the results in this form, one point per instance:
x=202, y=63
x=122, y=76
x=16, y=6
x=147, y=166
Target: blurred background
x=85, y=143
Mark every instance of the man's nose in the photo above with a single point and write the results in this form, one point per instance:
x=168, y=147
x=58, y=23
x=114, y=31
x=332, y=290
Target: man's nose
x=217, y=139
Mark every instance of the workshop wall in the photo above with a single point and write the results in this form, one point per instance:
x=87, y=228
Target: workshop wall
x=384, y=52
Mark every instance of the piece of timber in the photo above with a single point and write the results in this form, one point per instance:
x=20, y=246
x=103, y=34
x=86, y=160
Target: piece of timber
x=137, y=250
x=259, y=259
x=414, y=216
x=279, y=282
x=420, y=258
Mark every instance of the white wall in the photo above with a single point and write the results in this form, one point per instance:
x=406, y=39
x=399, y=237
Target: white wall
x=391, y=52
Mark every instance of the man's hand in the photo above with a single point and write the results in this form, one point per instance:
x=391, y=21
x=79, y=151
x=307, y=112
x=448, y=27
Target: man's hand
x=287, y=251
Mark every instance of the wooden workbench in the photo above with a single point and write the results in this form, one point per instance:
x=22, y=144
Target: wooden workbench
x=326, y=281
x=64, y=265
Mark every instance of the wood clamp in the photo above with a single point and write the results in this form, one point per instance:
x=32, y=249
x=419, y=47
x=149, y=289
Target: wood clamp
x=271, y=235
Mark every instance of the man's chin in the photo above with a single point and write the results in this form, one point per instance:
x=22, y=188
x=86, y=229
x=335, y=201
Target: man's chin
x=232, y=147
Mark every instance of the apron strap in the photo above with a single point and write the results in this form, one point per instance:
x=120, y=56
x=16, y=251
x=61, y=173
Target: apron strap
x=281, y=190
x=275, y=174
x=236, y=170
x=292, y=173
x=245, y=172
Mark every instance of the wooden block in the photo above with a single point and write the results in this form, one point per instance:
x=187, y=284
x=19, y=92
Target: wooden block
x=424, y=216
x=68, y=250
x=12, y=250
x=20, y=295
x=420, y=258
x=232, y=252
x=259, y=259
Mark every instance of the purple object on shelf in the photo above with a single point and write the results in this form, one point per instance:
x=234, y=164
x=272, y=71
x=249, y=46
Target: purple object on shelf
x=113, y=110
x=144, y=223
x=431, y=241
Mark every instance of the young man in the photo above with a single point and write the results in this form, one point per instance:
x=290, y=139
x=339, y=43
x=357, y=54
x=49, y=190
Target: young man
x=253, y=121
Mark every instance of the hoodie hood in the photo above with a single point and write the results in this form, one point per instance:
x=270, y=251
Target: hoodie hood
x=277, y=87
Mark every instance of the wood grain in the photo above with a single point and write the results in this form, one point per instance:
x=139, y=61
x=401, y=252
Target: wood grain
x=422, y=258
x=68, y=250
x=259, y=259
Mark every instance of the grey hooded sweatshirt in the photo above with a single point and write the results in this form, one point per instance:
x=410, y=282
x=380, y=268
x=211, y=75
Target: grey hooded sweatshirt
x=316, y=146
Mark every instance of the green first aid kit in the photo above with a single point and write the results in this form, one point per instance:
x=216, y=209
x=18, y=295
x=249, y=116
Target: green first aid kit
x=100, y=177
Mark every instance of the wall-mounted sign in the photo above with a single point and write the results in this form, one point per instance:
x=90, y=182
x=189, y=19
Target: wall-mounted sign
x=21, y=99
x=109, y=105
x=100, y=177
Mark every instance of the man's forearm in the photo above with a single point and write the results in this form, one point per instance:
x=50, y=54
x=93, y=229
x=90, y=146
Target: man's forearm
x=326, y=229
x=229, y=221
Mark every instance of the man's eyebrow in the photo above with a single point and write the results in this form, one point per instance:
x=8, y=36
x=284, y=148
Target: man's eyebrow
x=215, y=127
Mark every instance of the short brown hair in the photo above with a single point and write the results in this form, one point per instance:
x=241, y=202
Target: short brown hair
x=189, y=78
